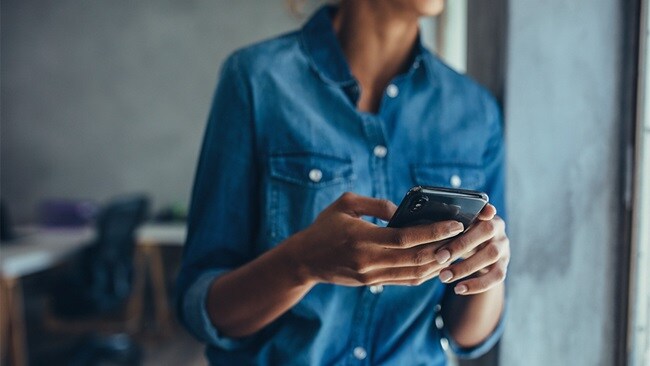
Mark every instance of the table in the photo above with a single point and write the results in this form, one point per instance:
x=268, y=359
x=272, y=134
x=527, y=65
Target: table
x=33, y=252
x=39, y=249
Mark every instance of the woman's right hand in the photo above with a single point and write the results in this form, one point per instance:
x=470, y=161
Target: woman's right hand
x=341, y=248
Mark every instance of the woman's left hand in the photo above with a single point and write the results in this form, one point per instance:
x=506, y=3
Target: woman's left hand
x=485, y=249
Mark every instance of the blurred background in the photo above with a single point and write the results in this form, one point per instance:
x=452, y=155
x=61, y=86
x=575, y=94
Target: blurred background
x=103, y=106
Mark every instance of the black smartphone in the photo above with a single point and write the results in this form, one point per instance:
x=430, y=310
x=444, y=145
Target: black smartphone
x=424, y=205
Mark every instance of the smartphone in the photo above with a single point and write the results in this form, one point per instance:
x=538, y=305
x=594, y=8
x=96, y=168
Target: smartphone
x=424, y=205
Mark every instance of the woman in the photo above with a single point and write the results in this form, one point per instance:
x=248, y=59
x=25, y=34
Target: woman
x=280, y=265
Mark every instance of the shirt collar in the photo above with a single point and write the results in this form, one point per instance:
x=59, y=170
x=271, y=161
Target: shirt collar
x=326, y=56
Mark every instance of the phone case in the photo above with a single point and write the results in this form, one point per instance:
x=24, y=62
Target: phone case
x=423, y=205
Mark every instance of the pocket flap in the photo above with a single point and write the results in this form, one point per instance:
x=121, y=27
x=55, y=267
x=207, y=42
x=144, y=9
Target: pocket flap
x=310, y=169
x=449, y=176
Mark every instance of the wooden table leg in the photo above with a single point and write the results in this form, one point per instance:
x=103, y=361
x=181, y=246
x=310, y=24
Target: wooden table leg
x=159, y=288
x=135, y=306
x=16, y=321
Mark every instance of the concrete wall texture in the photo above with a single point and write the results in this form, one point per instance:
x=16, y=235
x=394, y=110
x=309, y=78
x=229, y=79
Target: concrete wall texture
x=562, y=113
x=100, y=98
x=105, y=97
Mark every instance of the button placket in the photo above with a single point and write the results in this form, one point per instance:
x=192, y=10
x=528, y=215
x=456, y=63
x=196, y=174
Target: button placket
x=359, y=353
x=392, y=90
x=380, y=151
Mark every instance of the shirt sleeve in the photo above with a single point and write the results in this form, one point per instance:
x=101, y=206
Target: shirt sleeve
x=494, y=168
x=481, y=348
x=222, y=214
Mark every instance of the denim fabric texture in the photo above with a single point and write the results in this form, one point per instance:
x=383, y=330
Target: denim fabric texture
x=283, y=141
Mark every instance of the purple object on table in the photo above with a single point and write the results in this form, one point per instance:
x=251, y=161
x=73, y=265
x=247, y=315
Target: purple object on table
x=66, y=212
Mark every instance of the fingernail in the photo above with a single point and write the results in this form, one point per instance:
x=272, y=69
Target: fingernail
x=460, y=289
x=443, y=256
x=456, y=226
x=445, y=276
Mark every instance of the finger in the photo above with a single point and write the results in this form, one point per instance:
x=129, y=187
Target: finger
x=418, y=255
x=487, y=255
x=487, y=213
x=414, y=235
x=410, y=282
x=413, y=275
x=477, y=234
x=358, y=206
x=495, y=275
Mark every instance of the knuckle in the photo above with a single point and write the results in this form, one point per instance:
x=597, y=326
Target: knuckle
x=355, y=258
x=460, y=270
x=399, y=238
x=499, y=274
x=506, y=245
x=480, y=284
x=385, y=205
x=438, y=230
x=421, y=256
x=493, y=251
x=363, y=278
x=463, y=244
x=414, y=282
x=346, y=199
x=489, y=227
x=497, y=219
x=358, y=264
x=421, y=272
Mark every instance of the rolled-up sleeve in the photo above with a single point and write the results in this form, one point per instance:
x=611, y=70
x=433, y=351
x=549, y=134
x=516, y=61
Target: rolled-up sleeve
x=222, y=215
x=481, y=348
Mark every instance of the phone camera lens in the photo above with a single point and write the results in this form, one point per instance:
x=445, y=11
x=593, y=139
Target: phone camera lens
x=418, y=203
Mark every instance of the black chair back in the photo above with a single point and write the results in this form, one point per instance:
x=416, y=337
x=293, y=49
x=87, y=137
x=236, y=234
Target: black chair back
x=111, y=257
x=6, y=225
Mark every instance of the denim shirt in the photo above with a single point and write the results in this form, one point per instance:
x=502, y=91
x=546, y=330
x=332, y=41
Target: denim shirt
x=284, y=140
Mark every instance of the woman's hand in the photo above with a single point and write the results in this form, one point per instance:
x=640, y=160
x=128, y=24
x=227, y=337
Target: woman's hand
x=340, y=247
x=486, y=252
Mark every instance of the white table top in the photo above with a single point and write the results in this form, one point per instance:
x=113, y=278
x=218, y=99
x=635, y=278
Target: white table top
x=162, y=234
x=41, y=249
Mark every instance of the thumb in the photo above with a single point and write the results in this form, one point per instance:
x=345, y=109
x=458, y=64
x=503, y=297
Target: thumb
x=358, y=206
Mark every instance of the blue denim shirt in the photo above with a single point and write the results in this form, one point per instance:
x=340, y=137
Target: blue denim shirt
x=283, y=141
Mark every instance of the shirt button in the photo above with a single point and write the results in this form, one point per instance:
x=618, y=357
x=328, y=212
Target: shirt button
x=392, y=90
x=439, y=322
x=455, y=181
x=444, y=343
x=376, y=289
x=315, y=175
x=380, y=151
x=359, y=353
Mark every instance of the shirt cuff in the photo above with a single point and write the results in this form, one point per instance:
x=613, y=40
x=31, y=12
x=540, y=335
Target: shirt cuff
x=481, y=348
x=196, y=315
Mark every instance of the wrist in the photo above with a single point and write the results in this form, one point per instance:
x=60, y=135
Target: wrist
x=293, y=259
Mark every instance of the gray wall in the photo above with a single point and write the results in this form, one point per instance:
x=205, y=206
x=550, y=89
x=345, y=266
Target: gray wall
x=104, y=97
x=562, y=112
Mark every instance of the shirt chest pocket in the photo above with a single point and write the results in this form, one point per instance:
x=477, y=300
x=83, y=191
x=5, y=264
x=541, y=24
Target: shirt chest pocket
x=300, y=186
x=449, y=176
